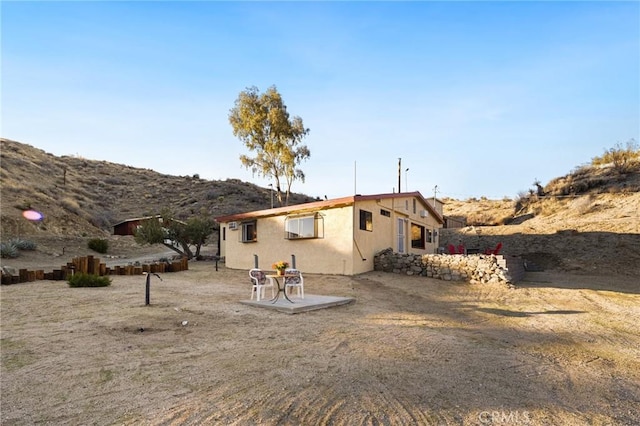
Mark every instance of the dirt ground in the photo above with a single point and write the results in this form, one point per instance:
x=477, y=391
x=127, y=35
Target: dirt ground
x=558, y=349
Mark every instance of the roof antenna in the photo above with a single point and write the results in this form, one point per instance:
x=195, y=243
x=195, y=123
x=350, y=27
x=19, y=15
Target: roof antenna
x=355, y=178
x=399, y=174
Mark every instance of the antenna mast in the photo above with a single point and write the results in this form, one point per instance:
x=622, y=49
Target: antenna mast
x=399, y=174
x=355, y=176
x=435, y=191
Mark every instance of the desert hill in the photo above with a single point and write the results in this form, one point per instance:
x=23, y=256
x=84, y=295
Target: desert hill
x=586, y=221
x=82, y=197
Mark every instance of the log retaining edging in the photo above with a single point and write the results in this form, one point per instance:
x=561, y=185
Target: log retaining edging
x=92, y=265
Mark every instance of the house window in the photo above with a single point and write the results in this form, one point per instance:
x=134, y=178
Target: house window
x=299, y=227
x=249, y=232
x=366, y=220
x=414, y=206
x=417, y=236
x=384, y=212
x=224, y=233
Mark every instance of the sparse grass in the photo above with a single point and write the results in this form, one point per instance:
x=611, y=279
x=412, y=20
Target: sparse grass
x=105, y=376
x=14, y=354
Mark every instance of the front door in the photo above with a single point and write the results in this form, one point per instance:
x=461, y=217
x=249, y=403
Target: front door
x=401, y=236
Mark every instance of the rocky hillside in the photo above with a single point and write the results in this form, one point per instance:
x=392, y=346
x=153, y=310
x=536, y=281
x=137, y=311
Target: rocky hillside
x=587, y=221
x=81, y=197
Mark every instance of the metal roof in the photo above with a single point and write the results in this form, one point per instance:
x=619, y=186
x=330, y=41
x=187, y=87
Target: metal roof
x=327, y=204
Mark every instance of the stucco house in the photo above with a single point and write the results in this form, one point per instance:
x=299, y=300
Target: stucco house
x=338, y=236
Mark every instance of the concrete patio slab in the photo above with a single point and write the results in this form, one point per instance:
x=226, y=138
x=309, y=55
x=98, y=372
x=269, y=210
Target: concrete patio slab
x=310, y=302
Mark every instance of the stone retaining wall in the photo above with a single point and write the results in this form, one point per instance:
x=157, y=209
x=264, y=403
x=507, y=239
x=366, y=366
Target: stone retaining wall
x=477, y=268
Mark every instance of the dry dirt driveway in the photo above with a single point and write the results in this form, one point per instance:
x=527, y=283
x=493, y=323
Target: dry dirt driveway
x=558, y=349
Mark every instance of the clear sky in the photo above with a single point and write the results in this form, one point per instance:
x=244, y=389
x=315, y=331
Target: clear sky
x=478, y=98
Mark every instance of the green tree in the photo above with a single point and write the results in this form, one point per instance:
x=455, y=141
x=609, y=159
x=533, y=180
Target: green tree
x=262, y=123
x=177, y=235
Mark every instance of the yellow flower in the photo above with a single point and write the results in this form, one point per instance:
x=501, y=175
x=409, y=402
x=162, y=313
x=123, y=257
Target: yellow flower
x=280, y=265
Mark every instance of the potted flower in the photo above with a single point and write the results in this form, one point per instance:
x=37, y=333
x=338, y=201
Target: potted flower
x=280, y=266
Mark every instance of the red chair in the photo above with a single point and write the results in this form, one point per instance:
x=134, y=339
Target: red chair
x=451, y=248
x=495, y=251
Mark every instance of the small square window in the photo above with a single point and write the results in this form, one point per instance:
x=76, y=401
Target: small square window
x=366, y=220
x=249, y=232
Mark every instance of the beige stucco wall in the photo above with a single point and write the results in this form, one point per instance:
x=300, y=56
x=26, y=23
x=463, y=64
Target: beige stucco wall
x=330, y=254
x=343, y=247
x=400, y=208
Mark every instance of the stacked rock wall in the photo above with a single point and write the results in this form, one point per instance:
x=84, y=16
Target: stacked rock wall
x=477, y=268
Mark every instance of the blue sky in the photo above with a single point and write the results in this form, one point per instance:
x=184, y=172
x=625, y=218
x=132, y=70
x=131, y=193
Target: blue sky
x=478, y=98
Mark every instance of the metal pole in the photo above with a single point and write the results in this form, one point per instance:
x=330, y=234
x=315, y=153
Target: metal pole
x=147, y=292
x=355, y=178
x=406, y=180
x=399, y=174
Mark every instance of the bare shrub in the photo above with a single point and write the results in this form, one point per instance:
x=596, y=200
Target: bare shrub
x=582, y=205
x=71, y=205
x=621, y=157
x=103, y=219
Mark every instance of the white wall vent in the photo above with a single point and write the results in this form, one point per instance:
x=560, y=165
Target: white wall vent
x=233, y=225
x=424, y=213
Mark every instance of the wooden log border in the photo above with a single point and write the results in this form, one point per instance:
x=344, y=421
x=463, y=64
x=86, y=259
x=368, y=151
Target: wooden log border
x=91, y=265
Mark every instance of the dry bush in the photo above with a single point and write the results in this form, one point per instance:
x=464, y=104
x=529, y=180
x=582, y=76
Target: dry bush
x=71, y=205
x=622, y=158
x=582, y=205
x=546, y=206
x=481, y=218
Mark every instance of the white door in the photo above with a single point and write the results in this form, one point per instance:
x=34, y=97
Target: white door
x=400, y=236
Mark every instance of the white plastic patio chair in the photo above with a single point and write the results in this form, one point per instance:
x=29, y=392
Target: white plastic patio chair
x=259, y=282
x=297, y=281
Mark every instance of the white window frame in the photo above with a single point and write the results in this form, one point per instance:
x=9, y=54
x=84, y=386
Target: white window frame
x=245, y=228
x=301, y=227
